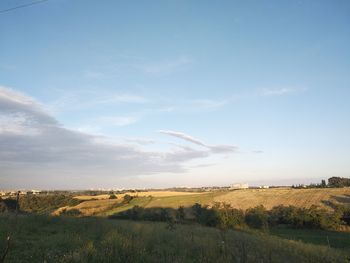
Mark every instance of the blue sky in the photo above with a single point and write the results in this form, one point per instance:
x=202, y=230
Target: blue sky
x=178, y=92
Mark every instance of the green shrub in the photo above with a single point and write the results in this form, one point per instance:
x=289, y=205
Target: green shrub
x=257, y=217
x=127, y=198
x=46, y=203
x=112, y=196
x=229, y=217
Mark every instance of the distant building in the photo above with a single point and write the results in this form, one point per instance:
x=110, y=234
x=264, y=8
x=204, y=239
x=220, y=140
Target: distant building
x=239, y=186
x=34, y=192
x=264, y=187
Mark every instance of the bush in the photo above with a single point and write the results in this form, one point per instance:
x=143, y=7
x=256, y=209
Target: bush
x=180, y=214
x=229, y=217
x=205, y=216
x=127, y=198
x=45, y=204
x=71, y=212
x=257, y=217
x=7, y=205
x=312, y=217
x=112, y=196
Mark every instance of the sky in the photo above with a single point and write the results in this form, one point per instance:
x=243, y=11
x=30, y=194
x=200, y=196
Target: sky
x=151, y=94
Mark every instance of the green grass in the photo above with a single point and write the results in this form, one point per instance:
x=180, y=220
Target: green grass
x=60, y=239
x=165, y=201
x=140, y=201
x=336, y=239
x=184, y=200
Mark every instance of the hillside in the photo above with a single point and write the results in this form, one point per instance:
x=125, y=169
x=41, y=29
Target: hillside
x=242, y=199
x=59, y=239
x=285, y=196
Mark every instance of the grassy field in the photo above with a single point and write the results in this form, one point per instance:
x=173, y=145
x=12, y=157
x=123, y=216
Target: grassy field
x=242, y=199
x=284, y=196
x=139, y=194
x=92, y=207
x=333, y=239
x=60, y=239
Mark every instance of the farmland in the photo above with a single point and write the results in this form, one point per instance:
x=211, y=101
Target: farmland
x=241, y=199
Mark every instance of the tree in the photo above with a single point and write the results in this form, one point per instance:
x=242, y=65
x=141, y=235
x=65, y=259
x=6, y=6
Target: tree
x=338, y=182
x=180, y=214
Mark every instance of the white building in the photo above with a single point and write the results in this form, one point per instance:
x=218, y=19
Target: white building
x=239, y=186
x=264, y=187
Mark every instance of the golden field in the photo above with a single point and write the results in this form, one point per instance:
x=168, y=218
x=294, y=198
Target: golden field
x=285, y=196
x=139, y=194
x=101, y=205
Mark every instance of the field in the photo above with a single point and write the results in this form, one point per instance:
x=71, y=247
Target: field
x=140, y=194
x=285, y=196
x=101, y=206
x=87, y=235
x=334, y=239
x=60, y=239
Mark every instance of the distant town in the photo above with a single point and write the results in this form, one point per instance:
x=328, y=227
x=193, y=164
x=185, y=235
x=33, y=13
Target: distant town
x=332, y=182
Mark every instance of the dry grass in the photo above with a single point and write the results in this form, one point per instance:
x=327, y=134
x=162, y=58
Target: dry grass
x=91, y=197
x=140, y=194
x=101, y=204
x=284, y=196
x=90, y=208
x=242, y=199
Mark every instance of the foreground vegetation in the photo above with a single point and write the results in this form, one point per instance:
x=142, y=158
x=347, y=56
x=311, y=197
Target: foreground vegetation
x=189, y=227
x=62, y=239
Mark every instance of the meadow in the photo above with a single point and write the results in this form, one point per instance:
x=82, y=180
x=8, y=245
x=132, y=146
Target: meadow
x=240, y=199
x=62, y=239
x=92, y=228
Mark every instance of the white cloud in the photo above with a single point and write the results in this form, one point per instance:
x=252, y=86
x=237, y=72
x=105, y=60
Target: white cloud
x=212, y=148
x=55, y=154
x=115, y=120
x=276, y=91
x=141, y=141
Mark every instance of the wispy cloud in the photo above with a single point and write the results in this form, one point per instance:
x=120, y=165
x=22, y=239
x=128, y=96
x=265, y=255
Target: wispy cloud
x=83, y=99
x=212, y=148
x=276, y=91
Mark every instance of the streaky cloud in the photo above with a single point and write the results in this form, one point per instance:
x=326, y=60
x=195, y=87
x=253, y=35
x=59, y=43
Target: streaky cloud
x=212, y=148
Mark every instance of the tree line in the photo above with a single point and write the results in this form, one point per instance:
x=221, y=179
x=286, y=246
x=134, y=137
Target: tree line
x=333, y=182
x=224, y=216
x=39, y=204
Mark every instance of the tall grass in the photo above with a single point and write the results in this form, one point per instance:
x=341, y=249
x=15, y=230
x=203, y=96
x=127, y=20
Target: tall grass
x=59, y=239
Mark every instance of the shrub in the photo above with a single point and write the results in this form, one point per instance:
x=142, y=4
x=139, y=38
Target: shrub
x=229, y=217
x=112, y=196
x=180, y=214
x=8, y=205
x=312, y=217
x=127, y=198
x=205, y=216
x=257, y=217
x=71, y=212
x=45, y=204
